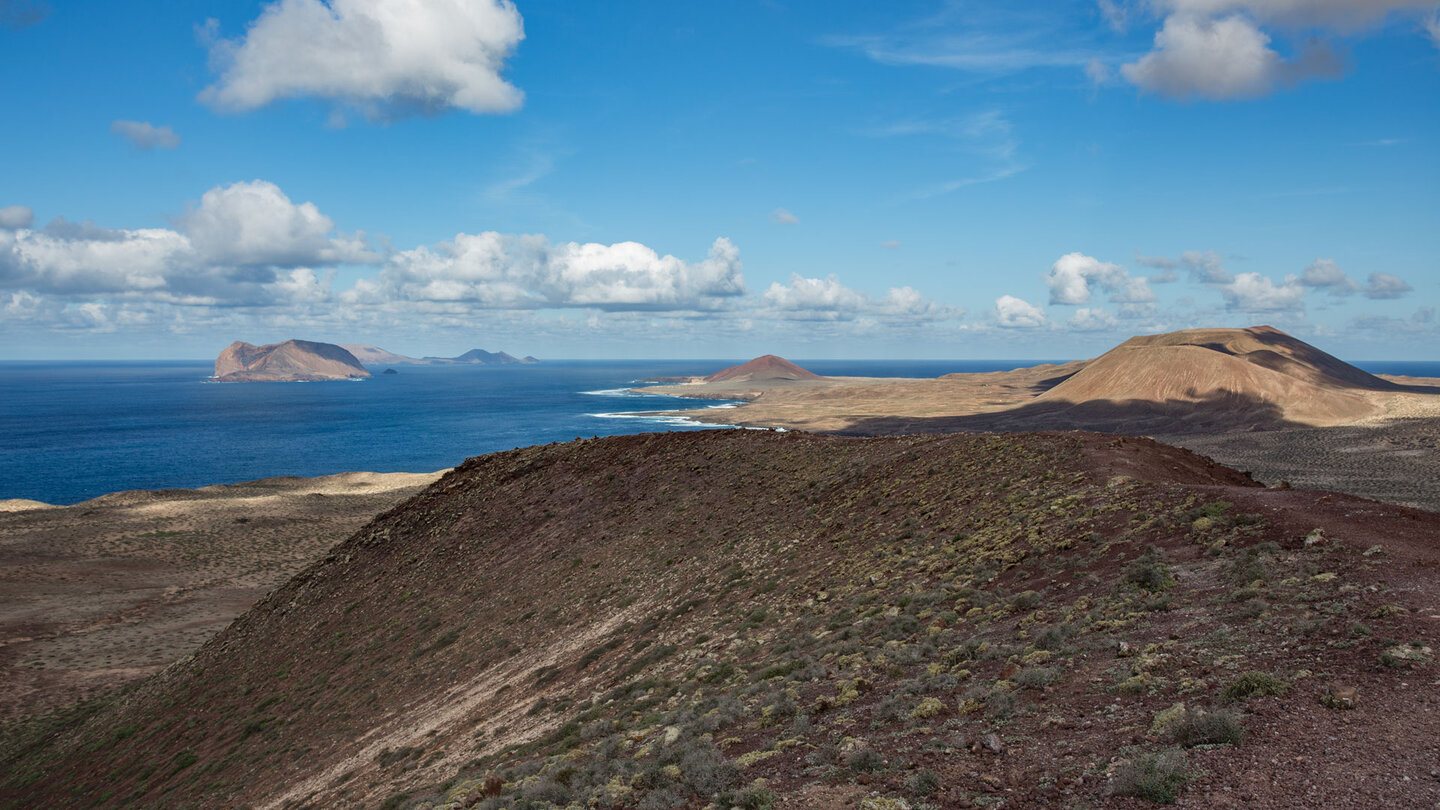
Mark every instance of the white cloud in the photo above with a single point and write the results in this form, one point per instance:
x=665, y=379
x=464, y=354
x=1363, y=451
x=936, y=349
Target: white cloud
x=1092, y=320
x=1070, y=278
x=384, y=57
x=513, y=271
x=226, y=251
x=825, y=295
x=1432, y=28
x=144, y=135
x=135, y=261
x=1016, y=313
x=1385, y=286
x=1252, y=292
x=1205, y=266
x=1326, y=274
x=1098, y=72
x=1337, y=14
x=826, y=299
x=254, y=223
x=1224, y=58
x=782, y=217
x=14, y=217
x=890, y=244
x=1116, y=13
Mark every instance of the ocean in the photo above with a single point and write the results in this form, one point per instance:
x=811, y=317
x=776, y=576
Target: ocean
x=74, y=431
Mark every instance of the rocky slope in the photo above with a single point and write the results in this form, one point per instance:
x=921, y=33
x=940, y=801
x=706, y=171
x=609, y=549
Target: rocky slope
x=291, y=361
x=756, y=619
x=785, y=620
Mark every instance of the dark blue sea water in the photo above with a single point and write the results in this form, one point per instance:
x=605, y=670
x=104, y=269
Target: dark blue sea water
x=72, y=431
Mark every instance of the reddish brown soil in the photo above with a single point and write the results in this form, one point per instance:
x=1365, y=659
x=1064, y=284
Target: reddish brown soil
x=533, y=607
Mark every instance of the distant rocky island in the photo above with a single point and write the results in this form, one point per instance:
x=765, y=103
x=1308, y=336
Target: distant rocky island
x=309, y=361
x=376, y=356
x=291, y=361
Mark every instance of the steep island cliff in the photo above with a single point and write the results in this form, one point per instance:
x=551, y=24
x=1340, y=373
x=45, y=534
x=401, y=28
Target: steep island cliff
x=291, y=361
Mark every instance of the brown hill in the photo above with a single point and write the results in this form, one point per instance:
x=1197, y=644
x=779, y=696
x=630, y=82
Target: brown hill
x=760, y=619
x=768, y=367
x=1242, y=372
x=291, y=361
x=376, y=356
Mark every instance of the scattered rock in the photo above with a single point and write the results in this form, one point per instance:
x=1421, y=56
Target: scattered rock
x=991, y=742
x=1340, y=697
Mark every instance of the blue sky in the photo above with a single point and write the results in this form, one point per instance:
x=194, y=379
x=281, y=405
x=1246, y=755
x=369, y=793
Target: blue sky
x=660, y=179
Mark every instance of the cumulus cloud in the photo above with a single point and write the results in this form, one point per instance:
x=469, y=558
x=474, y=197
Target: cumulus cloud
x=144, y=135
x=1092, y=320
x=782, y=217
x=1224, y=58
x=1205, y=266
x=1070, y=278
x=385, y=57
x=1252, y=292
x=1216, y=50
x=1165, y=265
x=1325, y=274
x=1384, y=285
x=1016, y=313
x=229, y=251
x=55, y=262
x=526, y=271
x=826, y=299
x=14, y=217
x=1342, y=15
x=254, y=223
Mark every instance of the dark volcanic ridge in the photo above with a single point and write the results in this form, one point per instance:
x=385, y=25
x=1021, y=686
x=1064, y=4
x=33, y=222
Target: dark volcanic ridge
x=759, y=619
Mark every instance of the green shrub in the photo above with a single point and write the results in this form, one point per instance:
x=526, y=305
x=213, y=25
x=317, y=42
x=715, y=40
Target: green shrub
x=923, y=782
x=1149, y=572
x=1207, y=728
x=1036, y=677
x=864, y=760
x=1157, y=776
x=1025, y=600
x=1253, y=684
x=756, y=797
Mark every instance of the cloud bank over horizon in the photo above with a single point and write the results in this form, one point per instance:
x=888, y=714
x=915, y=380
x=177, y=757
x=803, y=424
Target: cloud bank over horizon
x=247, y=253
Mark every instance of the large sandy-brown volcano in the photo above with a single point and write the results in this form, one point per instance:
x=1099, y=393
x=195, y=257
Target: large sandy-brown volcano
x=1247, y=372
x=1254, y=398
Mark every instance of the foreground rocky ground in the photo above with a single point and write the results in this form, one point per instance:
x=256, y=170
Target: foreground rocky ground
x=753, y=619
